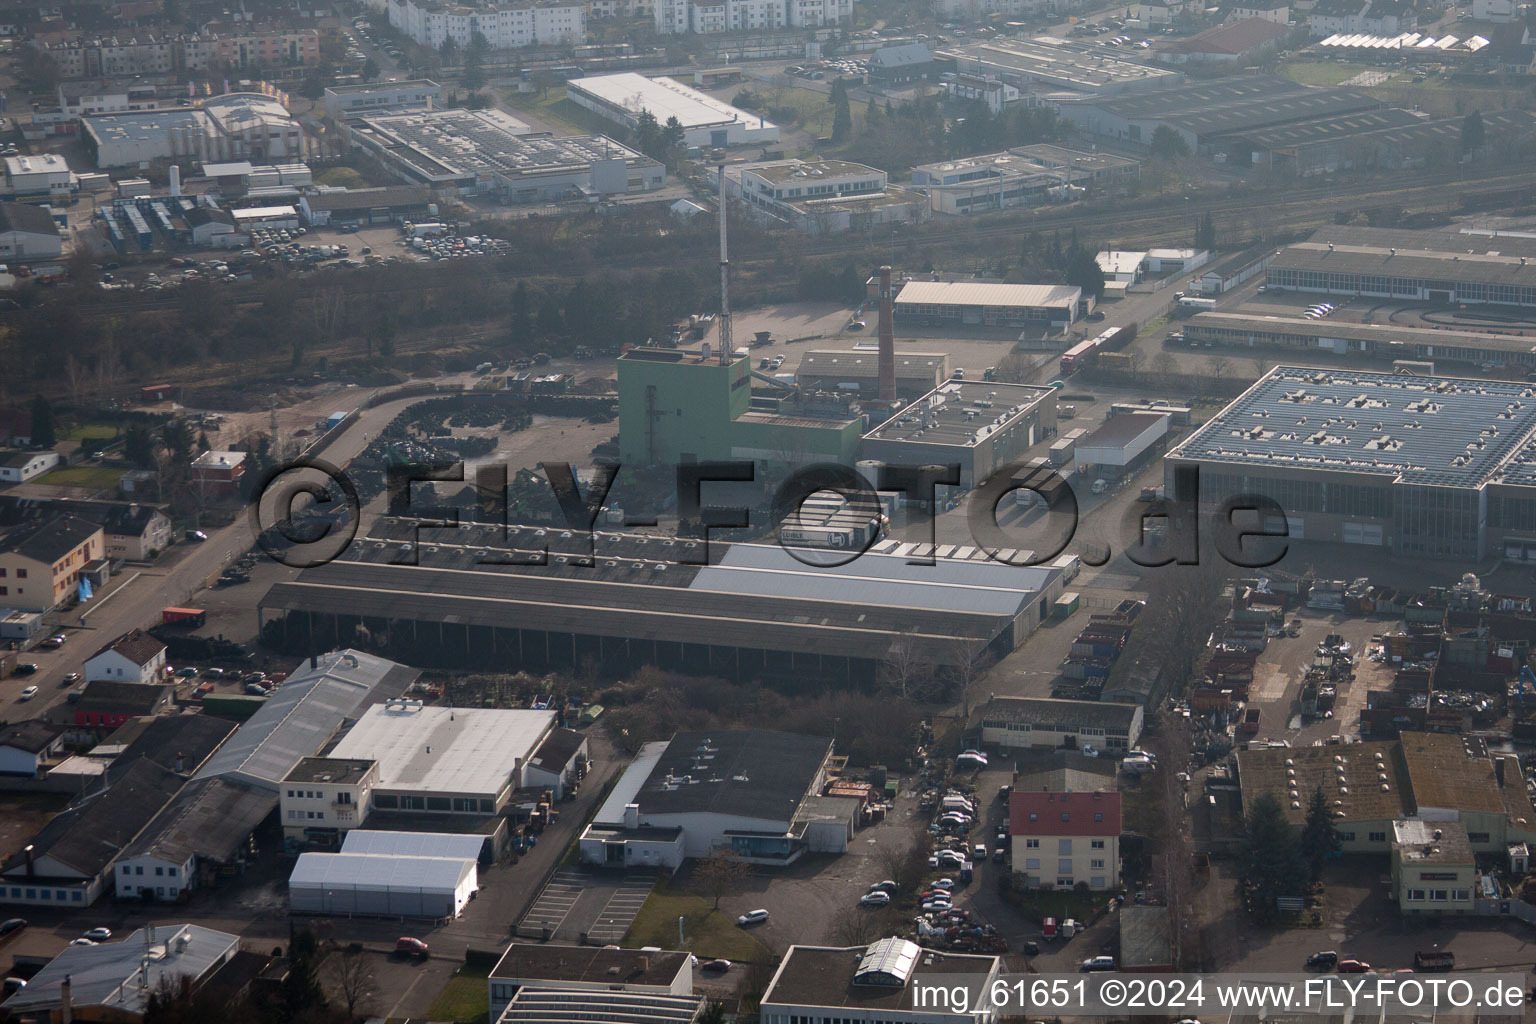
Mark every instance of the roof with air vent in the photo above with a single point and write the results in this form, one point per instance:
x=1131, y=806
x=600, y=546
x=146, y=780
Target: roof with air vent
x=1430, y=431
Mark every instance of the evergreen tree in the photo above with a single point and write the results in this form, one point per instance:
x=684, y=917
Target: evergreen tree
x=45, y=432
x=550, y=322
x=474, y=62
x=1319, y=839
x=647, y=133
x=139, y=446
x=301, y=991
x=1168, y=145
x=1083, y=271
x=1473, y=134
x=520, y=327
x=1271, y=864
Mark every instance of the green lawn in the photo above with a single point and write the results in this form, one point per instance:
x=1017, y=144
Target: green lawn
x=556, y=108
x=464, y=999
x=1323, y=72
x=89, y=428
x=709, y=932
x=101, y=478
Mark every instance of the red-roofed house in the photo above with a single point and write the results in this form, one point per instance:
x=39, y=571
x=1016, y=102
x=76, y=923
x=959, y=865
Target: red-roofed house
x=1063, y=839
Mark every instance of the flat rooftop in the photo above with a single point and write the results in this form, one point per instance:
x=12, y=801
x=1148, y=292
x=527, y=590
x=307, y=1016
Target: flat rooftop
x=1451, y=772
x=784, y=171
x=987, y=293
x=1057, y=713
x=444, y=750
x=1481, y=267
x=382, y=87
x=1328, y=129
x=1382, y=334
x=1062, y=63
x=1358, y=790
x=535, y=963
x=664, y=98
x=963, y=413
x=857, y=364
x=147, y=125
x=461, y=143
x=337, y=770
x=1432, y=842
x=1439, y=431
x=1063, y=156
x=826, y=976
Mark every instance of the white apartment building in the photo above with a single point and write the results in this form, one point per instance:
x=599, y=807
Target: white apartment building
x=676, y=17
x=323, y=797
x=505, y=28
x=1060, y=840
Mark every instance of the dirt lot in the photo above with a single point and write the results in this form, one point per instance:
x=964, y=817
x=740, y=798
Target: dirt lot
x=1280, y=669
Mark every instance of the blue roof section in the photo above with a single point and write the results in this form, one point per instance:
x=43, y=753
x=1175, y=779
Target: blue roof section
x=955, y=585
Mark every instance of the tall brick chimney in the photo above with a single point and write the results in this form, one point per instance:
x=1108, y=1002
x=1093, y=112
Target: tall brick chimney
x=887, y=340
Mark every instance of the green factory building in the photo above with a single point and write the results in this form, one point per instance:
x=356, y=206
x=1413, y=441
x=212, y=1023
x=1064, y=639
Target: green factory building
x=679, y=405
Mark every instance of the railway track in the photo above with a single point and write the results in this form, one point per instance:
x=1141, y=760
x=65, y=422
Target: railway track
x=1169, y=221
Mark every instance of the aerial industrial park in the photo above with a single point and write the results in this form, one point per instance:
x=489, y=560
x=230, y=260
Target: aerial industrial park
x=774, y=512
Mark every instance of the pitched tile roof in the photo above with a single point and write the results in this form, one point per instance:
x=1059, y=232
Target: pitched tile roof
x=1064, y=814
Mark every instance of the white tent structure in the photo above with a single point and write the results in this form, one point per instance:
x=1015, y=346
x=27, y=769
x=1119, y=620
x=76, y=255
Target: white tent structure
x=381, y=885
x=413, y=844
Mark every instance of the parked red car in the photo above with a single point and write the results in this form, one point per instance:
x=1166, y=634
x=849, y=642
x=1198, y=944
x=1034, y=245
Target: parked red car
x=411, y=947
x=1353, y=967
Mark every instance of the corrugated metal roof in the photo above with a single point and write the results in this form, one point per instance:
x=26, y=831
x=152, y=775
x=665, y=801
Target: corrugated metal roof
x=413, y=844
x=297, y=720
x=956, y=585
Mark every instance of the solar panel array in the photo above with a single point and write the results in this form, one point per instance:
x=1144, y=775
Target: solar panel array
x=887, y=962
x=1437, y=431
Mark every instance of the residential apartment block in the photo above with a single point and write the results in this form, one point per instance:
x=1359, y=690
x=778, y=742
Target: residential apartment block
x=39, y=570
x=1063, y=839
x=676, y=17
x=231, y=48
x=507, y=27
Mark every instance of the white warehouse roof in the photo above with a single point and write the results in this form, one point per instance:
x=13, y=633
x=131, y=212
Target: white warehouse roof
x=664, y=98
x=444, y=750
x=980, y=293
x=380, y=871
x=413, y=844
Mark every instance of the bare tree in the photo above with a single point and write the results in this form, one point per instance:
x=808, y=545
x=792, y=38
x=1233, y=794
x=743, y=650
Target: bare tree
x=906, y=865
x=1135, y=357
x=1218, y=367
x=352, y=974
x=860, y=928
x=721, y=873
x=1260, y=365
x=1165, y=366
x=972, y=662
x=1173, y=847
x=902, y=669
x=74, y=374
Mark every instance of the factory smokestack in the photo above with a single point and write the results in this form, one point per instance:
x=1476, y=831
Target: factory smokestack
x=726, y=350
x=887, y=340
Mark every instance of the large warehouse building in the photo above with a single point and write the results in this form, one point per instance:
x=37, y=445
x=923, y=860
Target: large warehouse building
x=381, y=885
x=1053, y=723
x=982, y=426
x=1387, y=139
x=1206, y=113
x=706, y=121
x=488, y=151
x=1433, y=467
x=756, y=611
x=1340, y=337
x=1045, y=63
x=740, y=790
x=444, y=760
x=1040, y=307
x=235, y=126
x=1444, y=277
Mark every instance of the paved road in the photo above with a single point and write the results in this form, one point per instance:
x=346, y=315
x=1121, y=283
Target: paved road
x=134, y=601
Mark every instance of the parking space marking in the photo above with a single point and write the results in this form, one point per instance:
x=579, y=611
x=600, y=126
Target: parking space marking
x=556, y=901
x=620, y=910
